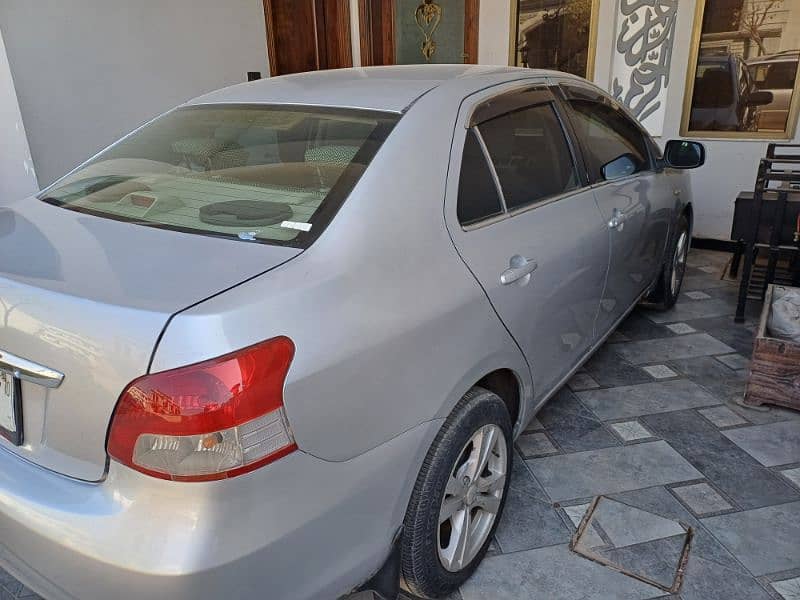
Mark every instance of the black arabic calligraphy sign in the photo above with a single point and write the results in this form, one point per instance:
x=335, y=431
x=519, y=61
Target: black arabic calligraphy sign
x=645, y=41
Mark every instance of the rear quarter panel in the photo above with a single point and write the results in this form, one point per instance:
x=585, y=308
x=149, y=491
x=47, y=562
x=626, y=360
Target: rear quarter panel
x=390, y=327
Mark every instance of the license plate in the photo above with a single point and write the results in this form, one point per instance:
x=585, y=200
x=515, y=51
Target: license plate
x=10, y=408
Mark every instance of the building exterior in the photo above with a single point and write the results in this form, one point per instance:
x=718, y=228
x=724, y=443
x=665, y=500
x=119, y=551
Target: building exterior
x=76, y=75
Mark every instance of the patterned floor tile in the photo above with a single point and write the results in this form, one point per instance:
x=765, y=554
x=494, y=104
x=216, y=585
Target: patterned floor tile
x=771, y=445
x=765, y=540
x=680, y=328
x=609, y=369
x=646, y=398
x=724, y=384
x=573, y=426
x=674, y=348
x=659, y=372
x=610, y=470
x=534, y=425
x=702, y=499
x=528, y=523
x=707, y=580
x=686, y=311
x=729, y=468
x=535, y=444
x=554, y=573
x=576, y=512
x=630, y=431
x=722, y=416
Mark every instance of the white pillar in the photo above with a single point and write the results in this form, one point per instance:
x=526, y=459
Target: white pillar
x=17, y=177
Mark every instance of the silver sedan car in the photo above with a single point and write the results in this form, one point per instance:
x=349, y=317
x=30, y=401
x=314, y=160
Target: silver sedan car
x=278, y=342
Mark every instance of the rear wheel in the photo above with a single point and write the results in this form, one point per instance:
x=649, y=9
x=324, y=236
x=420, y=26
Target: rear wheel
x=669, y=284
x=458, y=497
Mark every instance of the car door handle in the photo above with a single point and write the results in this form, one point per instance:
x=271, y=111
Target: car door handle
x=617, y=220
x=519, y=268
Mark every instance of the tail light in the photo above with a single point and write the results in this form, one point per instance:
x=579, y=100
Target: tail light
x=211, y=420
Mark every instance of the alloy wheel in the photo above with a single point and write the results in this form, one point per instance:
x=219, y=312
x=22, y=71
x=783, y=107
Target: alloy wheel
x=679, y=262
x=472, y=497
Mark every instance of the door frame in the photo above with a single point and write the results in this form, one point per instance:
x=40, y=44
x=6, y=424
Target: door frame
x=376, y=31
x=339, y=31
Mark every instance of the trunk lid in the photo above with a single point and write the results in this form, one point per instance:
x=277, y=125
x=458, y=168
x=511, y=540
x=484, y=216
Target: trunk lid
x=89, y=297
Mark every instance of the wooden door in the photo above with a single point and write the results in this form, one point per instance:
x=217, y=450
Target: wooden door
x=307, y=35
x=377, y=20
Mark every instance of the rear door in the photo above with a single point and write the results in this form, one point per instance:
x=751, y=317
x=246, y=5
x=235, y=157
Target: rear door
x=635, y=200
x=527, y=226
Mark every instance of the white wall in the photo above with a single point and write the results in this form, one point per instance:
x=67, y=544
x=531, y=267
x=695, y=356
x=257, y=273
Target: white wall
x=17, y=178
x=88, y=71
x=731, y=164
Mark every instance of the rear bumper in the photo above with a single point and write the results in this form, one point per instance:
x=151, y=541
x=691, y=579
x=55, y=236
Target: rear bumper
x=301, y=528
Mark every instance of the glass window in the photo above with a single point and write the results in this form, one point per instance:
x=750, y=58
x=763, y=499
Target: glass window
x=609, y=137
x=530, y=155
x=257, y=173
x=477, y=193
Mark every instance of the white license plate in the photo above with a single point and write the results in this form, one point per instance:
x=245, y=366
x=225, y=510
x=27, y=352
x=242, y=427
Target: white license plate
x=8, y=402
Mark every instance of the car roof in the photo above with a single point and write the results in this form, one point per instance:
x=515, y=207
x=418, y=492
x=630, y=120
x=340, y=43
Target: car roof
x=391, y=89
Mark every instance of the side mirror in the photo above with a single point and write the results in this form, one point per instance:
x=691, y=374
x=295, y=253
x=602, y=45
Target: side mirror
x=760, y=98
x=622, y=166
x=683, y=154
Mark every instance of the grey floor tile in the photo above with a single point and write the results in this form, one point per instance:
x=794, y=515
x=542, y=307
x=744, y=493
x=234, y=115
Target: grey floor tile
x=789, y=589
x=722, y=416
x=535, y=444
x=638, y=327
x=686, y=311
x=701, y=498
x=573, y=426
x=554, y=573
x=706, y=580
x=657, y=560
x=765, y=540
x=646, y=398
x=715, y=377
x=626, y=525
x=677, y=347
x=659, y=372
x=528, y=523
x=609, y=470
x=792, y=475
x=582, y=381
x=736, y=335
x=576, y=512
x=731, y=470
x=697, y=295
x=523, y=481
x=734, y=361
x=681, y=328
x=659, y=501
x=771, y=445
x=534, y=425
x=609, y=369
x=703, y=281
x=630, y=431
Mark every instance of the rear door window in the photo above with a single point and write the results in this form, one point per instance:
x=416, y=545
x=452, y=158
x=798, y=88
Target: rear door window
x=530, y=155
x=267, y=174
x=478, y=198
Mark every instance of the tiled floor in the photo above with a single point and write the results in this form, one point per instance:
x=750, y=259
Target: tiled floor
x=651, y=423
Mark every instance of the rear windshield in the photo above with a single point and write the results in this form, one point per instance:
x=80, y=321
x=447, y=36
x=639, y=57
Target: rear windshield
x=267, y=174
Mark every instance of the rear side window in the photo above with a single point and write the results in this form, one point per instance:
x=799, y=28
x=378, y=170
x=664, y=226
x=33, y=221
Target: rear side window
x=477, y=193
x=267, y=174
x=530, y=155
x=608, y=136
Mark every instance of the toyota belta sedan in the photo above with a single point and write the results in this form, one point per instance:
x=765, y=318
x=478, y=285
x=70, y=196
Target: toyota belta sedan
x=278, y=342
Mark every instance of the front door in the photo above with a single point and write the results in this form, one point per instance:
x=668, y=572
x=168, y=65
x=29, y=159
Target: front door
x=634, y=204
x=528, y=227
x=401, y=32
x=307, y=35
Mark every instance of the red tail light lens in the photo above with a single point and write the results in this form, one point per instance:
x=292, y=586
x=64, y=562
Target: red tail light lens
x=211, y=420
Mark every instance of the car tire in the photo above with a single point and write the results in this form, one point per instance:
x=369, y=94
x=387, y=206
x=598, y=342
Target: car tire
x=461, y=488
x=670, y=281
